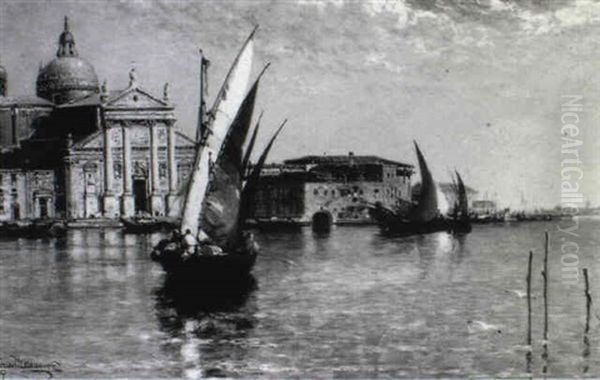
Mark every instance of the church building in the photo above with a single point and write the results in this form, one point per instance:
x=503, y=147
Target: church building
x=78, y=150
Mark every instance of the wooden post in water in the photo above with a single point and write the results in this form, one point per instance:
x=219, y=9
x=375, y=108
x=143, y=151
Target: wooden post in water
x=545, y=274
x=588, y=303
x=529, y=298
x=588, y=309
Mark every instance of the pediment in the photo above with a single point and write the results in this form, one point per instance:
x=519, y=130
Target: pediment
x=136, y=98
x=93, y=141
x=182, y=140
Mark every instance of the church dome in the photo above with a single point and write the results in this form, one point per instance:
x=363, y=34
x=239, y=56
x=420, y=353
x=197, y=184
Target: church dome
x=67, y=77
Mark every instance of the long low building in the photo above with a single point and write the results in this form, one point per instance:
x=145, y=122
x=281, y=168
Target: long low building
x=339, y=188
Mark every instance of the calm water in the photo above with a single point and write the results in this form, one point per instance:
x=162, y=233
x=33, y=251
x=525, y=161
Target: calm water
x=350, y=304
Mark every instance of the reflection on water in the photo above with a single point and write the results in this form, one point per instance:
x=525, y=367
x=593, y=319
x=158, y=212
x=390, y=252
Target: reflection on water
x=204, y=322
x=350, y=303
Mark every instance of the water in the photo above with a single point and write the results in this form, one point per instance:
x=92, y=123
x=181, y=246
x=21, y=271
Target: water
x=349, y=304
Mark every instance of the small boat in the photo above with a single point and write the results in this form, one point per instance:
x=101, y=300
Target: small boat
x=276, y=225
x=144, y=224
x=217, y=200
x=208, y=268
x=33, y=228
x=461, y=222
x=424, y=217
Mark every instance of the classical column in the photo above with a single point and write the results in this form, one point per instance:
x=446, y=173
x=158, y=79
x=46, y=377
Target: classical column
x=15, y=126
x=156, y=200
x=172, y=162
x=154, y=158
x=127, y=201
x=109, y=201
x=172, y=199
x=108, y=162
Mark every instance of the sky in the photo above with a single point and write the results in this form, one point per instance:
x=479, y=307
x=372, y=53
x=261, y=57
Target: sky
x=477, y=83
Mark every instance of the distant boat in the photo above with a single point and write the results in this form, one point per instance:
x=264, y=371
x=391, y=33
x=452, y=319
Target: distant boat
x=216, y=198
x=423, y=218
x=461, y=222
x=275, y=225
x=147, y=224
x=33, y=228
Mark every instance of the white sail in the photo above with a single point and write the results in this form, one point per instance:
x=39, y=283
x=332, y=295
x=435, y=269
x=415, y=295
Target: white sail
x=221, y=116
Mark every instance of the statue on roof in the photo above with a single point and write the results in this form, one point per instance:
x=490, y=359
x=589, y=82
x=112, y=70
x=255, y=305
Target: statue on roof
x=132, y=77
x=166, y=92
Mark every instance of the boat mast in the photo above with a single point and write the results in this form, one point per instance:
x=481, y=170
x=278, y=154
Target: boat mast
x=203, y=94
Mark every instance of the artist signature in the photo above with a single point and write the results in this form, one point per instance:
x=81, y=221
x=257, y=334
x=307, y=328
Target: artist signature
x=15, y=363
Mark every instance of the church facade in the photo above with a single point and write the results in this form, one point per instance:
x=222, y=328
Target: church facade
x=80, y=151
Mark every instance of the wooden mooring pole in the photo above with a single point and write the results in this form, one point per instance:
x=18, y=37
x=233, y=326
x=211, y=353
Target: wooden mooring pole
x=588, y=299
x=529, y=298
x=545, y=274
x=588, y=303
x=588, y=310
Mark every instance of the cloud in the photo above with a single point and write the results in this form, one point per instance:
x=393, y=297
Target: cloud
x=582, y=13
x=396, y=8
x=501, y=5
x=321, y=5
x=536, y=24
x=379, y=60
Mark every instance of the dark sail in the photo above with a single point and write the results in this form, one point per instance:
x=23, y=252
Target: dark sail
x=427, y=208
x=463, y=204
x=252, y=182
x=250, y=148
x=221, y=204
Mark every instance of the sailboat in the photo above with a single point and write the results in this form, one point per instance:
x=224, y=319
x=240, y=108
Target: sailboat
x=216, y=198
x=461, y=222
x=423, y=218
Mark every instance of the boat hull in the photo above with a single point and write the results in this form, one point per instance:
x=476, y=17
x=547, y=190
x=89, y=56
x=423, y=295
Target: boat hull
x=141, y=226
x=34, y=229
x=395, y=225
x=230, y=267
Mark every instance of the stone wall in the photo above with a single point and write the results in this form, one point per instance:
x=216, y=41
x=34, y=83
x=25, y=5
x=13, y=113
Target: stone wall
x=27, y=194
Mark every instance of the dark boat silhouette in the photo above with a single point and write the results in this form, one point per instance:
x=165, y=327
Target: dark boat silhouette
x=33, y=228
x=423, y=217
x=461, y=221
x=143, y=224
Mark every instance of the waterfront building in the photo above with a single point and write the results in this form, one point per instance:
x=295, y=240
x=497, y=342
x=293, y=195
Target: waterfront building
x=78, y=150
x=484, y=207
x=339, y=188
